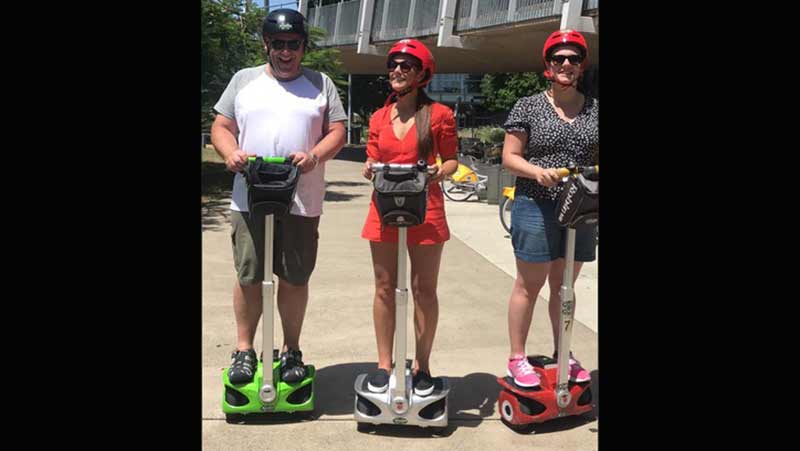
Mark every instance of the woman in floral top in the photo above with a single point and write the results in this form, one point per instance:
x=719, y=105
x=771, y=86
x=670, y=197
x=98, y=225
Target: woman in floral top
x=546, y=131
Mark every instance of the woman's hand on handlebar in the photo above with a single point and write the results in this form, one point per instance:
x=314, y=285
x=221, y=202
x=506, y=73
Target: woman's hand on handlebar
x=437, y=173
x=547, y=177
x=367, y=171
x=304, y=161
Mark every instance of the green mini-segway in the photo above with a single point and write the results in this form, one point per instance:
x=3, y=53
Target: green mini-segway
x=271, y=183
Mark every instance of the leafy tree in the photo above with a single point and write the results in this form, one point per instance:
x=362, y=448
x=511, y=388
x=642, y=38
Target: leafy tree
x=231, y=40
x=325, y=60
x=503, y=90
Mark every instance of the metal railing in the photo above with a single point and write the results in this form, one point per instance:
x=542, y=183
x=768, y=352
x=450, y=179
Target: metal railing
x=339, y=20
x=289, y=5
x=534, y=9
x=395, y=19
x=591, y=4
x=472, y=14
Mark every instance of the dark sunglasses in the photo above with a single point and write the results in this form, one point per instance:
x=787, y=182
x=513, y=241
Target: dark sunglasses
x=573, y=59
x=280, y=45
x=405, y=66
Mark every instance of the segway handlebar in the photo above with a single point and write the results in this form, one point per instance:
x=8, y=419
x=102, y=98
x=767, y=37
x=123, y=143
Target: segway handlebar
x=272, y=160
x=421, y=165
x=587, y=171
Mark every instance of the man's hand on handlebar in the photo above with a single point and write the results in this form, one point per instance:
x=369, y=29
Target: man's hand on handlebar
x=237, y=160
x=303, y=160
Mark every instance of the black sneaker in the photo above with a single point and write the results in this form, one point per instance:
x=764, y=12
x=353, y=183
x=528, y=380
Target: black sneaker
x=243, y=366
x=423, y=383
x=378, y=381
x=292, y=368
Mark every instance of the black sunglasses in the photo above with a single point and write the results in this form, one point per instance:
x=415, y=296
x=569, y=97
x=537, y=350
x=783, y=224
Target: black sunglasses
x=573, y=59
x=280, y=45
x=405, y=66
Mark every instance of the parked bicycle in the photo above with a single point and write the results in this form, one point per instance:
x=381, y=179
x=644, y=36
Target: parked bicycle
x=465, y=182
x=505, y=206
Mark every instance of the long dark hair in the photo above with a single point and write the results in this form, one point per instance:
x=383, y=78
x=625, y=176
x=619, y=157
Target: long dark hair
x=422, y=119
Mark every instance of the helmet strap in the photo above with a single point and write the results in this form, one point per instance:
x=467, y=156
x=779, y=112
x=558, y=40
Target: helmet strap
x=406, y=91
x=574, y=84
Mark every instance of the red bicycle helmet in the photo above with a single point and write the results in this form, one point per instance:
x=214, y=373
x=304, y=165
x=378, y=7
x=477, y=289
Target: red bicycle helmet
x=561, y=37
x=418, y=50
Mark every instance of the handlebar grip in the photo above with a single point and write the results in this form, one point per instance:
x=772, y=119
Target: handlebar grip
x=591, y=171
x=272, y=160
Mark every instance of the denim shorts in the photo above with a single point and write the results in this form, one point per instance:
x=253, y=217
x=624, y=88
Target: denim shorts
x=537, y=236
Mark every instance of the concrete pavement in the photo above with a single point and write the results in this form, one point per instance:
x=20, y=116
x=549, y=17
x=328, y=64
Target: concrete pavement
x=471, y=343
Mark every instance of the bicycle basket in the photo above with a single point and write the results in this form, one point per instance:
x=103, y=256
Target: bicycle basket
x=270, y=187
x=401, y=198
x=578, y=203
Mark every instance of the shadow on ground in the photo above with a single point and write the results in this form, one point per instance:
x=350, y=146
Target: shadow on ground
x=471, y=399
x=216, y=183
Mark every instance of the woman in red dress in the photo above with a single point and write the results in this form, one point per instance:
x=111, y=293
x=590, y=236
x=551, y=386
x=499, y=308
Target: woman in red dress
x=409, y=127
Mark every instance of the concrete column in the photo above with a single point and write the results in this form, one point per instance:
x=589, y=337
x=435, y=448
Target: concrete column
x=447, y=15
x=302, y=6
x=512, y=10
x=364, y=36
x=571, y=17
x=336, y=24
x=473, y=14
x=385, y=15
x=410, y=24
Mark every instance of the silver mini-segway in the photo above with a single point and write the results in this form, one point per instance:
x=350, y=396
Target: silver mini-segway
x=401, y=198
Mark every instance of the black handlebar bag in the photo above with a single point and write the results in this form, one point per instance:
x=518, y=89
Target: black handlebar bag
x=270, y=187
x=401, y=198
x=578, y=204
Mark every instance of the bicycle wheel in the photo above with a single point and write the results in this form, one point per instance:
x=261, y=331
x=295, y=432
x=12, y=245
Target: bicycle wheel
x=457, y=192
x=505, y=213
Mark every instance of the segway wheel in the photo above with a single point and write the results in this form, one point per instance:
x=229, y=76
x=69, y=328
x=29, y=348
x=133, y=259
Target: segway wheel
x=234, y=418
x=507, y=413
x=305, y=415
x=521, y=428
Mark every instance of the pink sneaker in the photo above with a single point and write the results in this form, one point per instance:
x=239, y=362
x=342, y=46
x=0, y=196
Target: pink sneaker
x=521, y=370
x=576, y=371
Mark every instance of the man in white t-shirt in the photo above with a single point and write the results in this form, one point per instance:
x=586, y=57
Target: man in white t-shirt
x=277, y=109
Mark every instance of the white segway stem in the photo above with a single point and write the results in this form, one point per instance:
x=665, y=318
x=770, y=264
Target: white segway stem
x=567, y=296
x=399, y=394
x=267, y=393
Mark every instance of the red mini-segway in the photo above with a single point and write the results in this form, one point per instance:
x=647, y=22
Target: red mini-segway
x=521, y=408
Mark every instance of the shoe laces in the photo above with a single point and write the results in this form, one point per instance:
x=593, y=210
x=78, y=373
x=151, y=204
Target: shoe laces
x=292, y=357
x=243, y=360
x=523, y=366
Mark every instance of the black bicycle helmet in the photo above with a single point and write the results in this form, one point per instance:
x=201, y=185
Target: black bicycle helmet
x=285, y=21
